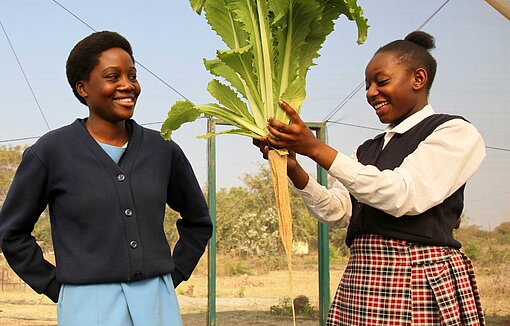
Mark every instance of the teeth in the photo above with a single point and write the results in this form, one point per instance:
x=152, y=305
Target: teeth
x=379, y=105
x=125, y=100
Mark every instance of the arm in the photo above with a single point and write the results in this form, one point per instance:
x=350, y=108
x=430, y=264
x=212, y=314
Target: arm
x=25, y=201
x=439, y=166
x=330, y=206
x=195, y=226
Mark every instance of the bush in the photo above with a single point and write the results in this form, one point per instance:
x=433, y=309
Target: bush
x=302, y=307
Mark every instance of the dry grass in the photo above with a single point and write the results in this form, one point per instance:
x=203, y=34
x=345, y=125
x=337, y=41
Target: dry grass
x=246, y=299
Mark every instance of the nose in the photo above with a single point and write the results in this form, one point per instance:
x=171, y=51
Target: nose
x=371, y=92
x=126, y=84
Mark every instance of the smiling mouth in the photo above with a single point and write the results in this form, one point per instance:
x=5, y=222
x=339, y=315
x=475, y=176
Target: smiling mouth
x=380, y=105
x=125, y=100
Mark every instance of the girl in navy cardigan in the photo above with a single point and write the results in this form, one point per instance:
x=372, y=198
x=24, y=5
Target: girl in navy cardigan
x=106, y=181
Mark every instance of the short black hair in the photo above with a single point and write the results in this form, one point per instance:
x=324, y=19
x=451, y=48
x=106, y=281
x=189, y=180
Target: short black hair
x=413, y=51
x=85, y=56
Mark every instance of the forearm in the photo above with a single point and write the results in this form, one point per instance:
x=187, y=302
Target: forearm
x=331, y=206
x=297, y=174
x=323, y=154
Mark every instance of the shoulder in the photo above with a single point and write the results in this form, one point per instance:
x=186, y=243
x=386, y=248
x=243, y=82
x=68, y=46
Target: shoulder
x=152, y=139
x=55, y=138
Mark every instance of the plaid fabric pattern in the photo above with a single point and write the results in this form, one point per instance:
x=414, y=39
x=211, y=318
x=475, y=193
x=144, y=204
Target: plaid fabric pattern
x=392, y=282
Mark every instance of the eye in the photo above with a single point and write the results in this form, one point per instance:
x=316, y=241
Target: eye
x=382, y=82
x=112, y=77
x=133, y=78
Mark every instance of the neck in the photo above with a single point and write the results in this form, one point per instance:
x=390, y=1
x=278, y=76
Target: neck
x=106, y=132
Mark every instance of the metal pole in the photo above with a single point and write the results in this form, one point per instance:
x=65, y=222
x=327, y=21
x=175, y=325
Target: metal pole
x=323, y=236
x=211, y=195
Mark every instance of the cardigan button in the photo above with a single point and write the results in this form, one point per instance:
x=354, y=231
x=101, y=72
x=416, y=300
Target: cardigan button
x=133, y=244
x=128, y=212
x=138, y=275
x=121, y=177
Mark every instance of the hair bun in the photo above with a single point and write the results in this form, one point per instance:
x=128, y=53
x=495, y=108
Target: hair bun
x=422, y=39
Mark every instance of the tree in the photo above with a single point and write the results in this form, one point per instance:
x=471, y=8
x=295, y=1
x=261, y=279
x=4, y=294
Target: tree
x=247, y=221
x=9, y=161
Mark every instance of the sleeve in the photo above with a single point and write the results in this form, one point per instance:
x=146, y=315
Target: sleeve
x=331, y=206
x=439, y=166
x=26, y=200
x=195, y=226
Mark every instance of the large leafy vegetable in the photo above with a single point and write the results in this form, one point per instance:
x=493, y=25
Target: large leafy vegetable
x=271, y=46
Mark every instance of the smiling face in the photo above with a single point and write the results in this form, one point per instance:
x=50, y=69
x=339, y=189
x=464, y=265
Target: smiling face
x=392, y=89
x=112, y=88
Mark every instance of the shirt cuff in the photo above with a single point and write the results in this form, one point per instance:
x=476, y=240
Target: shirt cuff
x=345, y=169
x=53, y=290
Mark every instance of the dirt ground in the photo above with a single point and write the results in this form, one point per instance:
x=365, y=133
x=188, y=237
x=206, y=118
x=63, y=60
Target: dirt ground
x=244, y=300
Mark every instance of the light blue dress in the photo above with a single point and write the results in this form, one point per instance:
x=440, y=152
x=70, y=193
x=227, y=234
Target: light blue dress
x=149, y=302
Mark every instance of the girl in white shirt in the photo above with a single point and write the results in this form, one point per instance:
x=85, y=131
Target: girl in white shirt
x=401, y=196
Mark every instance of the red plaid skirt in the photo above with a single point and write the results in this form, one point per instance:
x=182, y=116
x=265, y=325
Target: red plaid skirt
x=392, y=282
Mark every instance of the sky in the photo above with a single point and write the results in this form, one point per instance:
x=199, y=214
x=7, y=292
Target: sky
x=170, y=41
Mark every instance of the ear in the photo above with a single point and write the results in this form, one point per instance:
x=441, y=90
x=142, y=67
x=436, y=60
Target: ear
x=82, y=89
x=420, y=78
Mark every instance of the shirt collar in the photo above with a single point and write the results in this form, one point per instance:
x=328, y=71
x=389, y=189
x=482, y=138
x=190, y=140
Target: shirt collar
x=411, y=121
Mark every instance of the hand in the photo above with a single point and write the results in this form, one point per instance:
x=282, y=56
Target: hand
x=295, y=172
x=262, y=145
x=296, y=137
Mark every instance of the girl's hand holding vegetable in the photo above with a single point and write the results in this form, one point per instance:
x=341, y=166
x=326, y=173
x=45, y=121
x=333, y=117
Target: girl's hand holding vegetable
x=295, y=172
x=297, y=137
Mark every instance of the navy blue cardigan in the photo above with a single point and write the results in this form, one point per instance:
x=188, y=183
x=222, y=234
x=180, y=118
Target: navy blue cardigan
x=106, y=219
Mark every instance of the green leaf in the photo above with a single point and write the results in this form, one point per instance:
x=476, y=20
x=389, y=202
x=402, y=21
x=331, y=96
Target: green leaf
x=354, y=12
x=271, y=46
x=181, y=112
x=227, y=97
x=230, y=117
x=222, y=21
x=197, y=5
x=220, y=69
x=241, y=132
x=241, y=61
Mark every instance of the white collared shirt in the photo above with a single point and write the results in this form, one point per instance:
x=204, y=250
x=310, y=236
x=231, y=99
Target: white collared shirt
x=439, y=166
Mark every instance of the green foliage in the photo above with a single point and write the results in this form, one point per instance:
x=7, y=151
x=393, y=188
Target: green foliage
x=301, y=305
x=271, y=46
x=9, y=161
x=236, y=267
x=247, y=222
x=472, y=251
x=489, y=249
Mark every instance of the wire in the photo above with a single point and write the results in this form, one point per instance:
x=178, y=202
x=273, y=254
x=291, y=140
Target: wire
x=355, y=125
x=25, y=75
x=498, y=148
x=69, y=11
x=356, y=90
x=344, y=101
x=19, y=139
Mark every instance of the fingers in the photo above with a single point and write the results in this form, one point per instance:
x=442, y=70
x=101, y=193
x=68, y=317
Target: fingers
x=262, y=144
x=294, y=117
